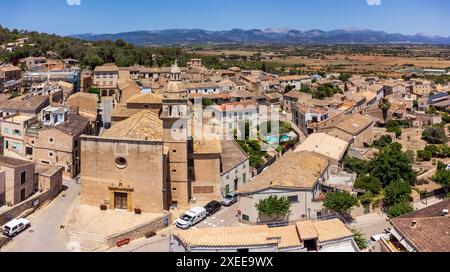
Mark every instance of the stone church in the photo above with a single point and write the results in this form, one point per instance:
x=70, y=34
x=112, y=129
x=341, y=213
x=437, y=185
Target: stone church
x=150, y=161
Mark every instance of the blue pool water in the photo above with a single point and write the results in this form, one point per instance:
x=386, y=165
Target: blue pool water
x=274, y=139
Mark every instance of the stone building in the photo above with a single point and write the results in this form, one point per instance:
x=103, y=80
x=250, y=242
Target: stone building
x=106, y=78
x=125, y=168
x=55, y=140
x=19, y=180
x=296, y=176
x=150, y=160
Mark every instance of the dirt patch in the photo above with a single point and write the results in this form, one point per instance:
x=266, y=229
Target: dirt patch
x=412, y=139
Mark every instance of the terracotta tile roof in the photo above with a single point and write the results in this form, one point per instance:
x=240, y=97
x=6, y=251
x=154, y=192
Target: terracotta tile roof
x=237, y=106
x=431, y=211
x=294, y=77
x=74, y=125
x=109, y=67
x=430, y=234
x=330, y=230
x=355, y=123
x=207, y=147
x=428, y=229
x=121, y=110
x=226, y=237
x=232, y=155
x=144, y=125
x=287, y=236
x=299, y=95
x=325, y=145
x=126, y=83
x=254, y=236
x=298, y=170
x=25, y=103
x=12, y=162
x=307, y=230
x=340, y=135
x=150, y=98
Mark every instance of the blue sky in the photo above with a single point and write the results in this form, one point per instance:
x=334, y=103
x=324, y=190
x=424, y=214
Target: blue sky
x=112, y=16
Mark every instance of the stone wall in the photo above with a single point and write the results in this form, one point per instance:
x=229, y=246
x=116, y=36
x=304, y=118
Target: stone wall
x=140, y=231
x=18, y=210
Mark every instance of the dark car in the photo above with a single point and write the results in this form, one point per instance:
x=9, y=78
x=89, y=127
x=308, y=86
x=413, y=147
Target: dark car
x=212, y=207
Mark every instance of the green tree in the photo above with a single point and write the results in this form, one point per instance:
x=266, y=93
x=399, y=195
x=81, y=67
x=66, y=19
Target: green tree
x=384, y=141
x=369, y=183
x=396, y=192
x=384, y=106
x=442, y=177
x=274, y=207
x=400, y=209
x=360, y=240
x=424, y=155
x=366, y=198
x=355, y=165
x=434, y=135
x=344, y=77
x=288, y=88
x=392, y=164
x=340, y=202
x=207, y=102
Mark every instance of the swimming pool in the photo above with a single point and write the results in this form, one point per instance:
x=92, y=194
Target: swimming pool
x=276, y=139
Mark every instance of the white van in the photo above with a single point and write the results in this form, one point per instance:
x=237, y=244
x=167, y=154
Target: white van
x=16, y=226
x=191, y=217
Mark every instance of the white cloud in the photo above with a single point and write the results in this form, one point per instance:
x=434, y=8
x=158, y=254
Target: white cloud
x=374, y=2
x=73, y=2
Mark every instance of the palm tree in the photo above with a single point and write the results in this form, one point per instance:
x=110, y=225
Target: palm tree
x=384, y=106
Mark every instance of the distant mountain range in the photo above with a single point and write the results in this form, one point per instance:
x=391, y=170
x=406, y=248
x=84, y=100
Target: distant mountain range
x=273, y=36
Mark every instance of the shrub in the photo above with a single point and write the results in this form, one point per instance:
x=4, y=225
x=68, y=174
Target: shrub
x=399, y=209
x=434, y=135
x=369, y=183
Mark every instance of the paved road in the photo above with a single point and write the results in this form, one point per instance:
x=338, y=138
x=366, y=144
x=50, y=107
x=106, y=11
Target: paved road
x=369, y=225
x=161, y=242
x=45, y=234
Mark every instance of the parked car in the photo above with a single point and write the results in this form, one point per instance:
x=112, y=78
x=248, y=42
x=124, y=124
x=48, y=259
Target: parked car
x=16, y=226
x=212, y=207
x=191, y=217
x=229, y=199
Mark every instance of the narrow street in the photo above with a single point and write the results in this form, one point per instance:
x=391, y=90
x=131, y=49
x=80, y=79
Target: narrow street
x=161, y=242
x=45, y=234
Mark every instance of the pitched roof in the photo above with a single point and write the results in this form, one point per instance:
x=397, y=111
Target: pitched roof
x=149, y=98
x=207, y=147
x=355, y=123
x=253, y=236
x=25, y=103
x=144, y=125
x=294, y=77
x=232, y=155
x=109, y=67
x=13, y=162
x=331, y=230
x=428, y=229
x=325, y=145
x=74, y=125
x=298, y=170
x=431, y=234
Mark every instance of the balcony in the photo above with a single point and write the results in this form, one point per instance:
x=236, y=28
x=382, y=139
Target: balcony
x=390, y=244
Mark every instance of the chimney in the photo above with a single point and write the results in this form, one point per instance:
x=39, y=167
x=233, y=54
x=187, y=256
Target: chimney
x=414, y=223
x=445, y=212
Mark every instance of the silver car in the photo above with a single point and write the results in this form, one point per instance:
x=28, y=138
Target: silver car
x=229, y=199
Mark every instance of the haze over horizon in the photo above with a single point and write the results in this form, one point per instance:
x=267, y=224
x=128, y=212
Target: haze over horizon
x=69, y=17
